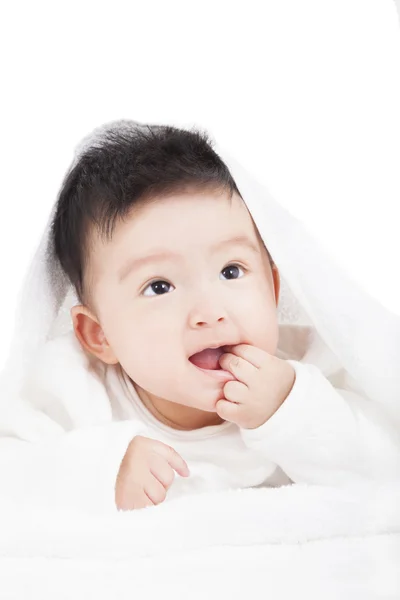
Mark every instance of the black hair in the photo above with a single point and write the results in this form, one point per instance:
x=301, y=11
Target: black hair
x=125, y=167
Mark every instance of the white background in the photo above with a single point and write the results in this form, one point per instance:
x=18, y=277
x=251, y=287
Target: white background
x=306, y=93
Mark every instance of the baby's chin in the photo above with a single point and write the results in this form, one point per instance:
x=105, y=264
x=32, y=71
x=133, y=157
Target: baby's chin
x=204, y=412
x=204, y=401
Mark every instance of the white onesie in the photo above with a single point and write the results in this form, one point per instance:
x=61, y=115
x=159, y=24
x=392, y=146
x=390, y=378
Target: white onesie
x=79, y=434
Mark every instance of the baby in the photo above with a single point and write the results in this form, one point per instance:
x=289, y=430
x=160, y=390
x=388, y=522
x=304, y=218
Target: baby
x=178, y=307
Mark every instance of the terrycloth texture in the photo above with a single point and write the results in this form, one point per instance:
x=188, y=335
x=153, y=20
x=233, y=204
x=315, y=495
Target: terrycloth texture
x=308, y=541
x=345, y=321
x=348, y=332
x=287, y=515
x=364, y=568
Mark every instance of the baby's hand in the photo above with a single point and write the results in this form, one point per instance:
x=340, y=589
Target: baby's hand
x=146, y=473
x=262, y=384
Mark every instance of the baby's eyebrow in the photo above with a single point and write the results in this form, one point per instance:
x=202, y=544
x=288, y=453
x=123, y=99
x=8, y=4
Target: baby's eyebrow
x=164, y=255
x=238, y=240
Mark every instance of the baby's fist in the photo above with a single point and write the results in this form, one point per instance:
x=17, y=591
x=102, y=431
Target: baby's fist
x=146, y=473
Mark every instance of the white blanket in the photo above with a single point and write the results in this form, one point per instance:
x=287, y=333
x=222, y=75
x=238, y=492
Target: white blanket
x=297, y=541
x=306, y=540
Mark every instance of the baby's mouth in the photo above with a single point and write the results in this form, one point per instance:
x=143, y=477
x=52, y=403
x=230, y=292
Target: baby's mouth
x=208, y=358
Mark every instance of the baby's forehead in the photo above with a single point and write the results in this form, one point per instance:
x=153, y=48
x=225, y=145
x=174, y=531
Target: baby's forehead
x=198, y=220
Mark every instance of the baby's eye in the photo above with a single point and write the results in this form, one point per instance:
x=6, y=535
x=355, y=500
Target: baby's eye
x=157, y=288
x=232, y=272
x=160, y=287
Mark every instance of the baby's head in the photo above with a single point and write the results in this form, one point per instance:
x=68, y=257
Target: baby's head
x=166, y=262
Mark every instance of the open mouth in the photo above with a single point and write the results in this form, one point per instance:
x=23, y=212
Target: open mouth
x=208, y=359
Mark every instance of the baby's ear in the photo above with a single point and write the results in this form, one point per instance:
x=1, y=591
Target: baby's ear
x=90, y=334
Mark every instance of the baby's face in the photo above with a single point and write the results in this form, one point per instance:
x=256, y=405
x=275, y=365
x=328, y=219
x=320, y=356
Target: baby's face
x=182, y=274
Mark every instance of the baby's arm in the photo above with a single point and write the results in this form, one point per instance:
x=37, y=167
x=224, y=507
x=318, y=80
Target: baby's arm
x=43, y=463
x=97, y=468
x=324, y=435
x=77, y=469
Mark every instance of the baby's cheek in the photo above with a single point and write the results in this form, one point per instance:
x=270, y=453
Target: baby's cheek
x=152, y=367
x=272, y=339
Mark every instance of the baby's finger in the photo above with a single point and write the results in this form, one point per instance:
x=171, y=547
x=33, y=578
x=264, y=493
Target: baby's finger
x=155, y=490
x=175, y=460
x=236, y=391
x=229, y=411
x=142, y=500
x=134, y=500
x=162, y=471
x=239, y=367
x=256, y=356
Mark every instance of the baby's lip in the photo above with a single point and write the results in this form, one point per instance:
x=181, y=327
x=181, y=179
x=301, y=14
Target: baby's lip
x=223, y=347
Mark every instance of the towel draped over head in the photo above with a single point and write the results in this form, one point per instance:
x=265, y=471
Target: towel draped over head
x=325, y=317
